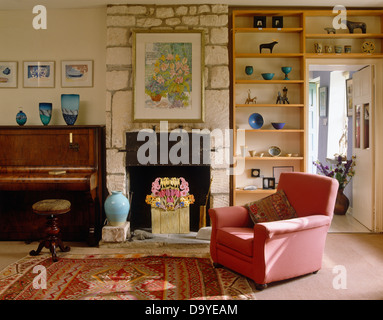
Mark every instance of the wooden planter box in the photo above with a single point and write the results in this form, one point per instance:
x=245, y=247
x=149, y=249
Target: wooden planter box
x=176, y=221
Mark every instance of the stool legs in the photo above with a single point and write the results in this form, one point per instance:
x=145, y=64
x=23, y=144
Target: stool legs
x=52, y=241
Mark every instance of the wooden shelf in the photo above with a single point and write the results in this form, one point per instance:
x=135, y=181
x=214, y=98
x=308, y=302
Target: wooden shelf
x=273, y=130
x=269, y=105
x=244, y=81
x=258, y=191
x=344, y=36
x=270, y=158
x=343, y=55
x=269, y=55
x=268, y=30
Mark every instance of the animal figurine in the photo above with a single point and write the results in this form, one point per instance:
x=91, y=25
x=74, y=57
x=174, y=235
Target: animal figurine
x=355, y=25
x=282, y=99
x=269, y=46
x=250, y=100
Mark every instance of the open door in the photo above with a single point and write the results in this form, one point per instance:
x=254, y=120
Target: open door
x=363, y=147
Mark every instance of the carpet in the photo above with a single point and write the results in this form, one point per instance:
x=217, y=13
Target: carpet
x=120, y=277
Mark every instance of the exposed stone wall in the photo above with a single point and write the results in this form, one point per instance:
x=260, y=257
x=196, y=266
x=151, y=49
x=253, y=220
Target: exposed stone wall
x=121, y=20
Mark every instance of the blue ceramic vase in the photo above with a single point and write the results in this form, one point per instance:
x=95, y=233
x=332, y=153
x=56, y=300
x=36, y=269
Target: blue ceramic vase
x=45, y=111
x=70, y=104
x=116, y=208
x=21, y=118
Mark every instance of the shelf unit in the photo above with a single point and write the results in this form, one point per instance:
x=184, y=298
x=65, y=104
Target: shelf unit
x=316, y=21
x=301, y=30
x=289, y=51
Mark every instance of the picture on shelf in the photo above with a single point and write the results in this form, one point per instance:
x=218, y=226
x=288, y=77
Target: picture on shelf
x=268, y=183
x=260, y=22
x=277, y=22
x=278, y=170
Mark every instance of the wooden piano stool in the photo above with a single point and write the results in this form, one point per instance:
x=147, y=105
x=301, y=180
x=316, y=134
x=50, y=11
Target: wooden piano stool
x=51, y=208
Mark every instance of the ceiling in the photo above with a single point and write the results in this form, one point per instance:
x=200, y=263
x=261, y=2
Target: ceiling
x=56, y=4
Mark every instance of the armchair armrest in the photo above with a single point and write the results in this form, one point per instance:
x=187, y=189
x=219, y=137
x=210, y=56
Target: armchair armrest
x=269, y=229
x=235, y=216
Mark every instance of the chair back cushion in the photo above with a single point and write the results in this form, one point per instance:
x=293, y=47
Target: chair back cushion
x=272, y=208
x=308, y=193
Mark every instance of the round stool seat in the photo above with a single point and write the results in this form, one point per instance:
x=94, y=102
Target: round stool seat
x=51, y=206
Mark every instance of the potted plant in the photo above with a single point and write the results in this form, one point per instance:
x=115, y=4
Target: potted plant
x=343, y=171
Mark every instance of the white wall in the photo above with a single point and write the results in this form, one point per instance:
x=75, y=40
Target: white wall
x=72, y=34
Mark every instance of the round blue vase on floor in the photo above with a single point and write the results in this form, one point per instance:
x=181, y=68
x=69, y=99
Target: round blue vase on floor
x=116, y=208
x=70, y=104
x=21, y=118
x=45, y=111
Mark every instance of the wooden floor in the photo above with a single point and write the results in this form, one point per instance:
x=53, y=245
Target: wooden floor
x=346, y=224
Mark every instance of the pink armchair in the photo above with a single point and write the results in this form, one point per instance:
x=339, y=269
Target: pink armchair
x=278, y=250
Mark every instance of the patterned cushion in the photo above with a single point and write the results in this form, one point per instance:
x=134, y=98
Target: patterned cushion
x=272, y=208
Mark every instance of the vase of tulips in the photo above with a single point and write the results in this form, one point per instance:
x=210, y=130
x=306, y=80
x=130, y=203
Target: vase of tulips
x=343, y=171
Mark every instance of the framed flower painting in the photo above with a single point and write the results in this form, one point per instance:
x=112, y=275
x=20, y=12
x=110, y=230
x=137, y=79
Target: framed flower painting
x=168, y=76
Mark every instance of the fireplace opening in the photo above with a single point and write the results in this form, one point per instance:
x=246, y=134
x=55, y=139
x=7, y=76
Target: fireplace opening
x=140, y=176
x=140, y=181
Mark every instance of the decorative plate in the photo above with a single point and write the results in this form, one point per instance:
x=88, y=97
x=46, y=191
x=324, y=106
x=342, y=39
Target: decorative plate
x=274, y=151
x=256, y=121
x=368, y=47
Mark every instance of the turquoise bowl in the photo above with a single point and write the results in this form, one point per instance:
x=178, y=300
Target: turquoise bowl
x=267, y=76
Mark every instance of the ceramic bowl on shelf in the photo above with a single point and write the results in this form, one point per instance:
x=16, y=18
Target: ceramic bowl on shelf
x=278, y=125
x=256, y=121
x=274, y=151
x=267, y=76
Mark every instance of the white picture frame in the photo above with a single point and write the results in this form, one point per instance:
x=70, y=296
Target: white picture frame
x=76, y=73
x=39, y=74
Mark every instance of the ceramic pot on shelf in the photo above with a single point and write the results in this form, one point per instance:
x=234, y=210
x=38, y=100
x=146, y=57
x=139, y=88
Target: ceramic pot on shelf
x=116, y=208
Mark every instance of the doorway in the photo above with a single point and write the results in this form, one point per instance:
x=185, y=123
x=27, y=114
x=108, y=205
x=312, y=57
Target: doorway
x=331, y=131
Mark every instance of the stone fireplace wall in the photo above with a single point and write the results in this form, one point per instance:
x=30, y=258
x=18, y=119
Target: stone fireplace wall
x=121, y=20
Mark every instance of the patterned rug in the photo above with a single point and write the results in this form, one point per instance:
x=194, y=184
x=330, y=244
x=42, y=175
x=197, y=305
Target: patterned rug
x=120, y=277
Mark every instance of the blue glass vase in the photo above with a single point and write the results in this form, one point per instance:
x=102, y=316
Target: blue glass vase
x=21, y=118
x=45, y=111
x=70, y=104
x=116, y=208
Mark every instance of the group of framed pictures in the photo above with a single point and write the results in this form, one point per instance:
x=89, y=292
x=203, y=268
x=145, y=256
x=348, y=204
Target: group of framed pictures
x=260, y=22
x=41, y=74
x=271, y=182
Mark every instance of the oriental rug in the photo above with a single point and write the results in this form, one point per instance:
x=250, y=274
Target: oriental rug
x=120, y=277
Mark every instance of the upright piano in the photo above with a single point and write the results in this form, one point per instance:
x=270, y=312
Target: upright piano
x=39, y=162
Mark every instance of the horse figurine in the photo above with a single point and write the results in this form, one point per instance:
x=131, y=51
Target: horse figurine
x=269, y=46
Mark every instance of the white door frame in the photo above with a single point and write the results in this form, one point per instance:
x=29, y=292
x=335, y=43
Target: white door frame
x=378, y=120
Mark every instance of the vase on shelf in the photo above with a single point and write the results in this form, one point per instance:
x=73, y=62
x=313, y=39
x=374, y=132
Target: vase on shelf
x=342, y=203
x=70, y=104
x=21, y=118
x=116, y=208
x=45, y=111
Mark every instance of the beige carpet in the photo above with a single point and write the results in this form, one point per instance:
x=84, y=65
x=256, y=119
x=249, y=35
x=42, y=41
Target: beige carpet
x=359, y=258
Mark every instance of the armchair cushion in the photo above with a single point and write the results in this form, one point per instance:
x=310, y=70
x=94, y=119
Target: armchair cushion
x=272, y=208
x=238, y=239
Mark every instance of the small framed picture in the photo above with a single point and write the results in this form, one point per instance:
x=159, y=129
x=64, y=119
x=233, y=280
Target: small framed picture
x=278, y=170
x=39, y=74
x=277, y=22
x=268, y=183
x=8, y=74
x=260, y=22
x=255, y=173
x=77, y=74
